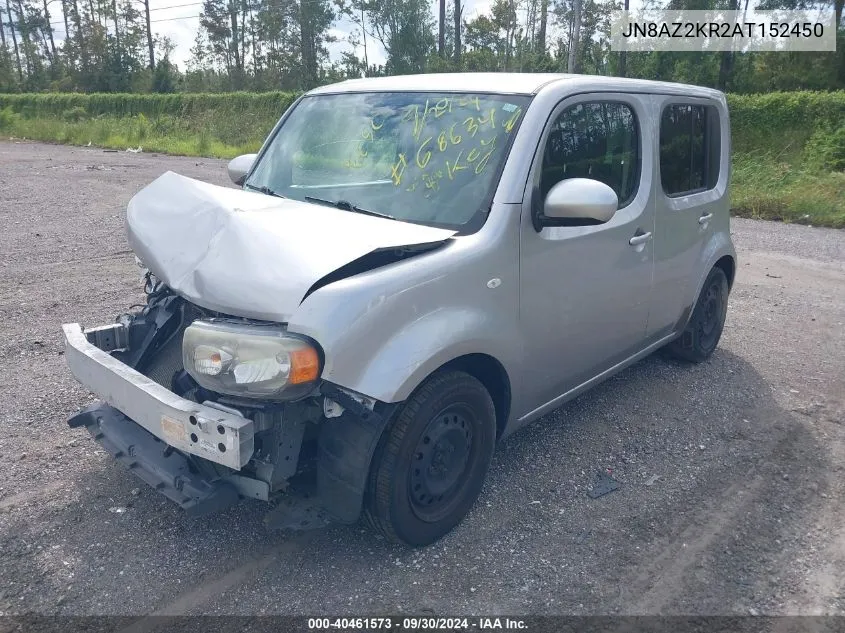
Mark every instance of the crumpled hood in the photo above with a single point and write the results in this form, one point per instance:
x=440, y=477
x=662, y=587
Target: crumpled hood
x=249, y=254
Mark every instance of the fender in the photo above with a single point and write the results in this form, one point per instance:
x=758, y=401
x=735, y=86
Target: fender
x=384, y=331
x=405, y=360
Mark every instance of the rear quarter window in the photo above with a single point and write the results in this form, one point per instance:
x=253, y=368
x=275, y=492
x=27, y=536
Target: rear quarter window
x=689, y=148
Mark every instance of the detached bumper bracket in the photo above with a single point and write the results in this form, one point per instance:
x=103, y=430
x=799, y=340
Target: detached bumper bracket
x=144, y=454
x=348, y=402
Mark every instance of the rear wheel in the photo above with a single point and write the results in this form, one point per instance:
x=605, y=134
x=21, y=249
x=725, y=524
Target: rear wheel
x=702, y=334
x=432, y=460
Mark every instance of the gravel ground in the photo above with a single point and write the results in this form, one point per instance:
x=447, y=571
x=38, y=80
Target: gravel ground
x=731, y=471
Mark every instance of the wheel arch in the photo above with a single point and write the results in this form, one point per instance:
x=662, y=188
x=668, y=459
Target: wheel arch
x=728, y=265
x=490, y=373
x=719, y=254
x=347, y=445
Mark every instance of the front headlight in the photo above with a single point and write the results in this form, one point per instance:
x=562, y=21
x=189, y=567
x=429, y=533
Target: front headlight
x=256, y=361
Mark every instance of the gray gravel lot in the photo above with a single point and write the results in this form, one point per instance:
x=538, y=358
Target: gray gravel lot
x=731, y=471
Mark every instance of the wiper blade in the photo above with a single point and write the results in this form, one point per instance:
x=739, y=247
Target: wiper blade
x=348, y=206
x=264, y=189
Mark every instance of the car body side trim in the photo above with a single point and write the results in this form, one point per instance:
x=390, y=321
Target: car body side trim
x=554, y=404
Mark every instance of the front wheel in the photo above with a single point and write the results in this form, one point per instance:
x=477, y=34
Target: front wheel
x=700, y=337
x=432, y=460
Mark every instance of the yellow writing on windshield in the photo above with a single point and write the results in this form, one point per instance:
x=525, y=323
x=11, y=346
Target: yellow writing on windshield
x=464, y=102
x=443, y=106
x=482, y=164
x=511, y=122
x=449, y=138
x=420, y=115
x=464, y=145
x=421, y=163
x=397, y=169
x=453, y=167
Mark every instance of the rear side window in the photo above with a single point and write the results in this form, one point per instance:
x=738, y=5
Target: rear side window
x=689, y=149
x=598, y=140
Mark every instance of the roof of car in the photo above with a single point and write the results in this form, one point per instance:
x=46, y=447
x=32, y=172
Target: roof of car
x=504, y=83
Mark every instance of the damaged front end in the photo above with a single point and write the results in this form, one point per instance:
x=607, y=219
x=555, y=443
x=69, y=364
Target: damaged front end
x=207, y=394
x=204, y=448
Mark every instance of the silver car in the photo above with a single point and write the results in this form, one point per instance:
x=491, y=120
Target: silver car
x=413, y=268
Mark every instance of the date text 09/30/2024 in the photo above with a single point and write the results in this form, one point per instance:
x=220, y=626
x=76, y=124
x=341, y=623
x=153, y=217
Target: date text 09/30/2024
x=416, y=624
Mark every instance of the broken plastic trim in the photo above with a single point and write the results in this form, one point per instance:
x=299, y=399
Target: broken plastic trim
x=363, y=412
x=371, y=261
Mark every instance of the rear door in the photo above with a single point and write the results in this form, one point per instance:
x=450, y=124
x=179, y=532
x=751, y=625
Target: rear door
x=584, y=290
x=689, y=190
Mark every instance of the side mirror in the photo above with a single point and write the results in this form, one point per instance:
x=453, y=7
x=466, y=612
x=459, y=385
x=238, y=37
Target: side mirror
x=239, y=167
x=578, y=201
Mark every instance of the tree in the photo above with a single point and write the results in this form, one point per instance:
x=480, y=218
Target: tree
x=441, y=31
x=284, y=44
x=572, y=62
x=163, y=76
x=14, y=40
x=49, y=29
x=457, y=32
x=404, y=28
x=315, y=17
x=219, y=19
x=149, y=35
x=544, y=18
x=623, y=55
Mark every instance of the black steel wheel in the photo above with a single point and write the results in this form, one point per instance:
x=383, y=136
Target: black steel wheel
x=432, y=460
x=701, y=336
x=440, y=460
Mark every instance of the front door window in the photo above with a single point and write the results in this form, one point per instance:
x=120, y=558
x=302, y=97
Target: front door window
x=598, y=140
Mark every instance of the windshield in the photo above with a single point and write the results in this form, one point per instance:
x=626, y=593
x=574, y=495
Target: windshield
x=420, y=157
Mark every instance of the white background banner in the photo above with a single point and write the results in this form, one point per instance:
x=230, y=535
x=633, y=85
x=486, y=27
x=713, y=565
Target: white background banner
x=714, y=30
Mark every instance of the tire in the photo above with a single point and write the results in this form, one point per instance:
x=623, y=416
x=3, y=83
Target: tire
x=701, y=336
x=448, y=426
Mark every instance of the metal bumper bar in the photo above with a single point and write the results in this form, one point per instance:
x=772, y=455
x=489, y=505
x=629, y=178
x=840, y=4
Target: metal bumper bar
x=219, y=436
x=149, y=458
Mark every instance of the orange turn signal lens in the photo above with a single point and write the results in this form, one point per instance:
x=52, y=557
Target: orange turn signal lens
x=304, y=366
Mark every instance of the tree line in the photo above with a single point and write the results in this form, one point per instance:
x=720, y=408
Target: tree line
x=112, y=45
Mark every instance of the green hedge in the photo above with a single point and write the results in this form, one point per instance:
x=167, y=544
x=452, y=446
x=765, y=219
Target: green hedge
x=783, y=121
x=789, y=156
x=150, y=105
x=778, y=110
x=198, y=124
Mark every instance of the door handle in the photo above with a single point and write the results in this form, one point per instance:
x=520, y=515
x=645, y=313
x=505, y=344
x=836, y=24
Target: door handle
x=640, y=239
x=704, y=219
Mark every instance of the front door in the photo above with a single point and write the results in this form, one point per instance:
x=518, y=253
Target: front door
x=585, y=290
